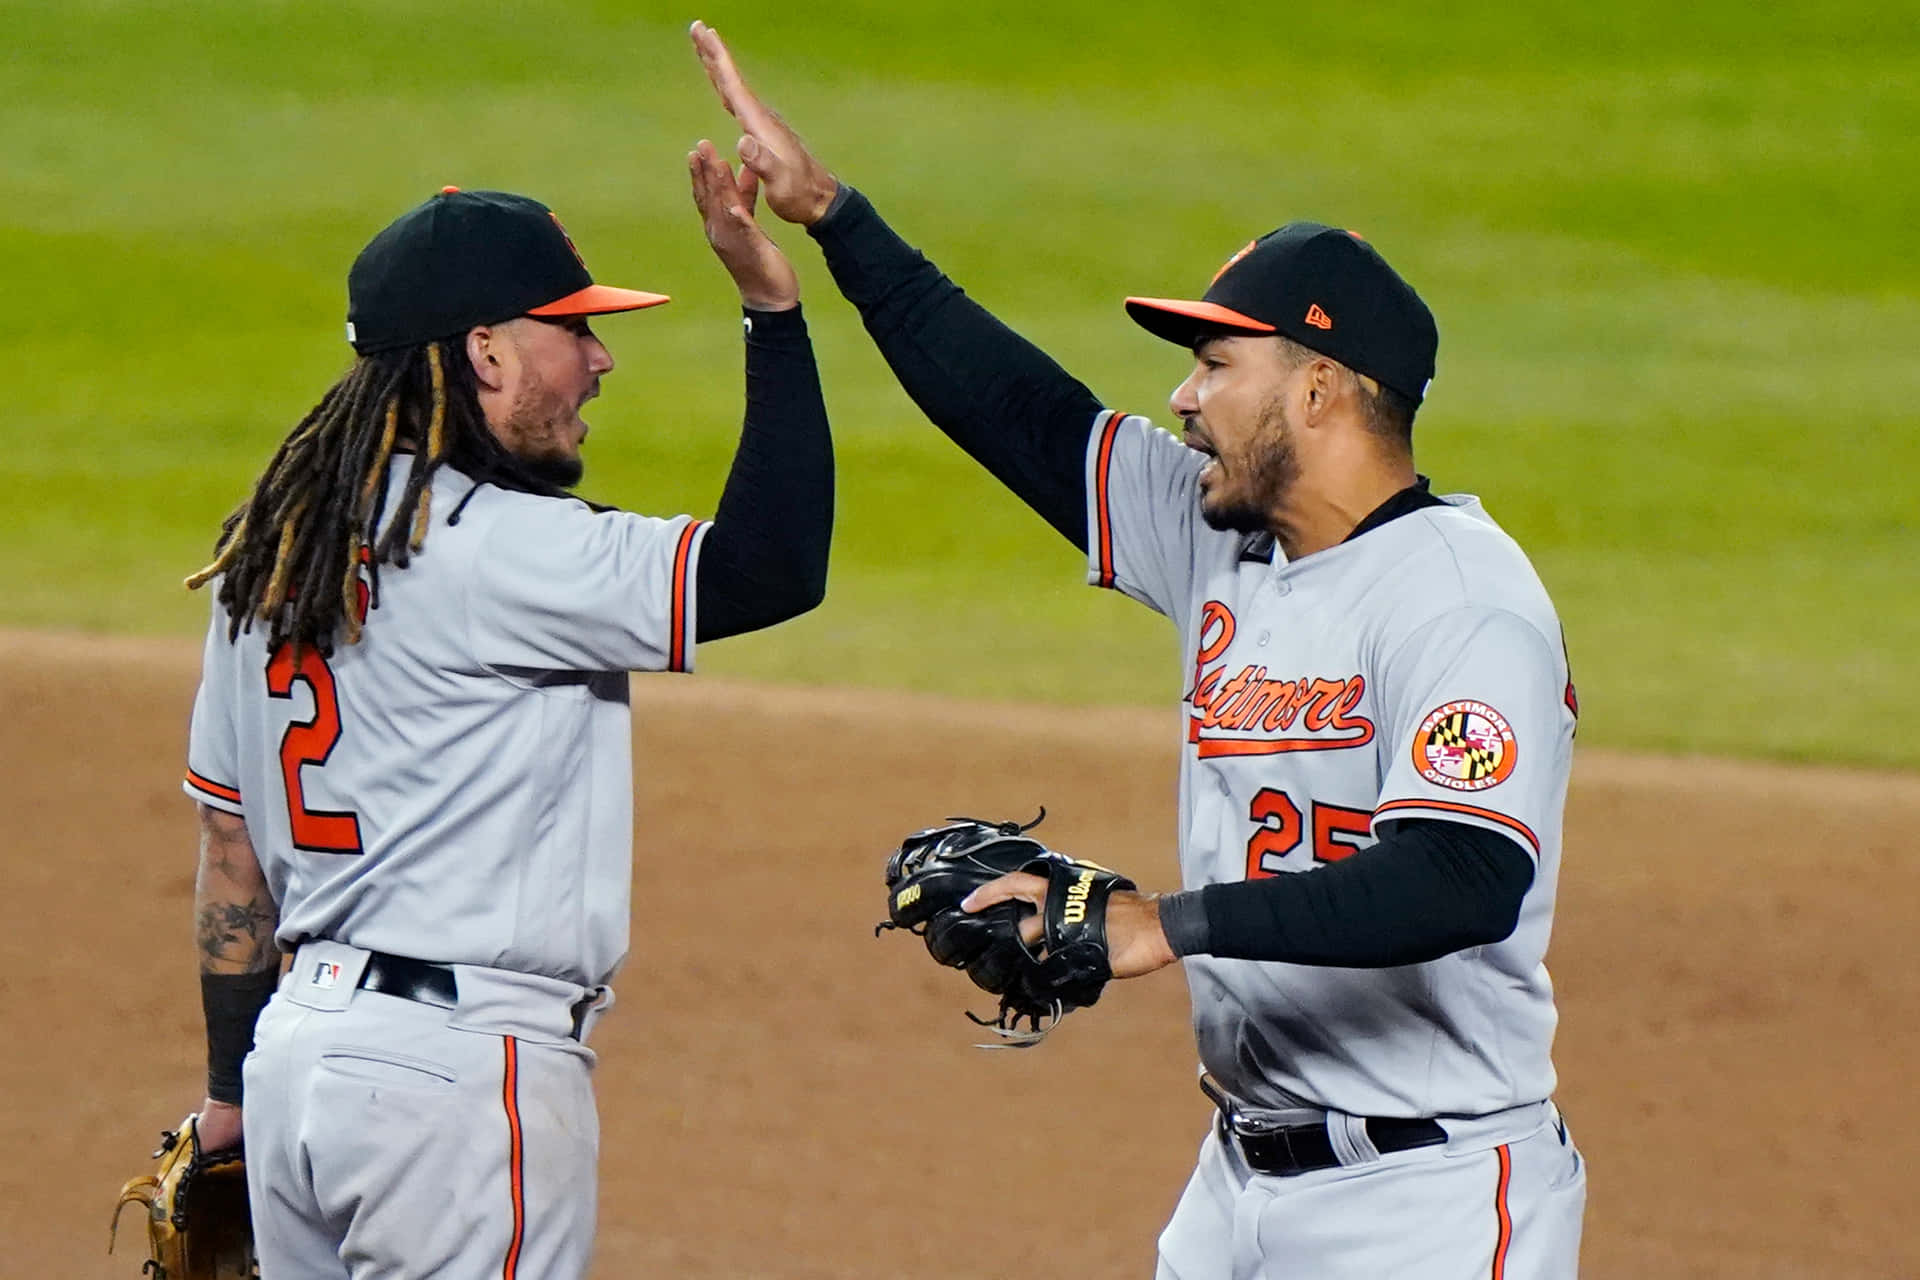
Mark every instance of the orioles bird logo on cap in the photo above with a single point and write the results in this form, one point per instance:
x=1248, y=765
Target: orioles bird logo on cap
x=561, y=226
x=1247, y=249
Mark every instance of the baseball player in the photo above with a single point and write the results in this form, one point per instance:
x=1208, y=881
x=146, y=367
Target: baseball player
x=1378, y=728
x=411, y=746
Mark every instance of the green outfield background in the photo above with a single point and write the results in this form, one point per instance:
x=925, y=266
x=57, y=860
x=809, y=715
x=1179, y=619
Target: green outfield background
x=1671, y=248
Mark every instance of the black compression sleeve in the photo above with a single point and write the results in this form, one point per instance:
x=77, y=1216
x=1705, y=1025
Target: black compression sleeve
x=1426, y=890
x=996, y=395
x=765, y=559
x=232, y=1003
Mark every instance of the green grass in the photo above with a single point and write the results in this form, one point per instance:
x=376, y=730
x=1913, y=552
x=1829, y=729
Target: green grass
x=1669, y=246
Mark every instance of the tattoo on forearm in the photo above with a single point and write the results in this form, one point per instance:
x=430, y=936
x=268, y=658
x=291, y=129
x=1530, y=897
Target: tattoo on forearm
x=238, y=933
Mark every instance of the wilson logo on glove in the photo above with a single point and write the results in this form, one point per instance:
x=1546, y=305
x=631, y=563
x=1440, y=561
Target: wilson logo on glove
x=1076, y=909
x=1039, y=983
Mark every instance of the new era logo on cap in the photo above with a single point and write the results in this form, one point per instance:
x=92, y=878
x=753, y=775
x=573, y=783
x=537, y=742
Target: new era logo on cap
x=1318, y=318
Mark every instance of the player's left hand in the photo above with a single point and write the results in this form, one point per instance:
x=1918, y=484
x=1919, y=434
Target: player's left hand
x=765, y=278
x=194, y=1206
x=219, y=1125
x=1136, y=944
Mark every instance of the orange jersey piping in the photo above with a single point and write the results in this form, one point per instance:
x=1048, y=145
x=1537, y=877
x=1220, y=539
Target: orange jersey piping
x=516, y=1155
x=1104, y=519
x=1502, y=1213
x=198, y=783
x=682, y=559
x=1514, y=825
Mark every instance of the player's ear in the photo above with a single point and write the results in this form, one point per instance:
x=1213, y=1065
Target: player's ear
x=1320, y=386
x=482, y=345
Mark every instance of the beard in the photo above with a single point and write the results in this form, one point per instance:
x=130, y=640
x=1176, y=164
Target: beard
x=532, y=433
x=1265, y=474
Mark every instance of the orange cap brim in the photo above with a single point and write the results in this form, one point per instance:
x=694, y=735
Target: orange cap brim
x=599, y=300
x=1182, y=321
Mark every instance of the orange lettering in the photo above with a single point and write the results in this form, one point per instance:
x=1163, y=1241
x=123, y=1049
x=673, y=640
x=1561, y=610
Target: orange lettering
x=1236, y=695
x=1255, y=704
x=1215, y=620
x=1326, y=693
x=1355, y=691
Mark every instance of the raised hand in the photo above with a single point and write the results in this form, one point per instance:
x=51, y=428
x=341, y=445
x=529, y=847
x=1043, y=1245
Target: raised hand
x=761, y=272
x=797, y=185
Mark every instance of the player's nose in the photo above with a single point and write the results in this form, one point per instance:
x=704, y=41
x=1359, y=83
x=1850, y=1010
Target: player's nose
x=1185, y=401
x=599, y=359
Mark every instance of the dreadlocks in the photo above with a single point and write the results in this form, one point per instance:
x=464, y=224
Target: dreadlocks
x=290, y=555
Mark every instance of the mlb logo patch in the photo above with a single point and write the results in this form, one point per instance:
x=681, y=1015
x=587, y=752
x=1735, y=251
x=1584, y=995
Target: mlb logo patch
x=325, y=974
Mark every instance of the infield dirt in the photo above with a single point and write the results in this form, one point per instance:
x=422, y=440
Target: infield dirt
x=784, y=1095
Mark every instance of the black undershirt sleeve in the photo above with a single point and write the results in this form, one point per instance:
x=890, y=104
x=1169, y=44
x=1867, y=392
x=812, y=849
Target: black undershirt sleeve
x=765, y=558
x=1426, y=890
x=996, y=395
x=232, y=1003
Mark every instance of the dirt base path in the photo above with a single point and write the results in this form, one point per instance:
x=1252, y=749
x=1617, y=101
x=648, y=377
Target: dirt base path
x=1735, y=957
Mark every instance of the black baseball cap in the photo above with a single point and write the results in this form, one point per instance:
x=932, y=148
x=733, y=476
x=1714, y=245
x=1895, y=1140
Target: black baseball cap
x=1326, y=289
x=466, y=258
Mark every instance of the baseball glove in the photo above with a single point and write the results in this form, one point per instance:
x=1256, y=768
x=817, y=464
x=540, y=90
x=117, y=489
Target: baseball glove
x=933, y=871
x=198, y=1227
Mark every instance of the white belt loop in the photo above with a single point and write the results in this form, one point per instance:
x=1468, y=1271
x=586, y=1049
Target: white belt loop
x=596, y=1003
x=1352, y=1144
x=1479, y=1133
x=524, y=1005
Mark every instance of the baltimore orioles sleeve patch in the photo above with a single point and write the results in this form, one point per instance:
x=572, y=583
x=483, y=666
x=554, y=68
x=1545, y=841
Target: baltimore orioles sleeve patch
x=1465, y=746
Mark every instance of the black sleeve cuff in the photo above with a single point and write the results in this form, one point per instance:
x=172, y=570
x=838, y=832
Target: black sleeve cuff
x=787, y=328
x=840, y=200
x=1183, y=918
x=232, y=1002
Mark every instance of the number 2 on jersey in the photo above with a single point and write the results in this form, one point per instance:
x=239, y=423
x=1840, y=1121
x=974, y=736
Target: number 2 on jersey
x=310, y=742
x=1278, y=830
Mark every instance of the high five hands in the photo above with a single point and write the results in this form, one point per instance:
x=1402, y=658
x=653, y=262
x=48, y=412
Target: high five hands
x=798, y=187
x=765, y=278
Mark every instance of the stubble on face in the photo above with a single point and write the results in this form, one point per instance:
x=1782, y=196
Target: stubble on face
x=1252, y=485
x=535, y=432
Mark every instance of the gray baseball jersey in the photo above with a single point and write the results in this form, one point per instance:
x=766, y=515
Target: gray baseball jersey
x=1414, y=672
x=457, y=786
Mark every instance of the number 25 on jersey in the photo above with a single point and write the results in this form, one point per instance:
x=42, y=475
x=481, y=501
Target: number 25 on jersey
x=1279, y=829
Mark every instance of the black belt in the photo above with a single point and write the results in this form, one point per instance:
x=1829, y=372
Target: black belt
x=410, y=980
x=434, y=984
x=1283, y=1150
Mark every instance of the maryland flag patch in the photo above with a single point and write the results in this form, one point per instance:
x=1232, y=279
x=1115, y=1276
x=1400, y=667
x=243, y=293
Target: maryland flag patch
x=1465, y=746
